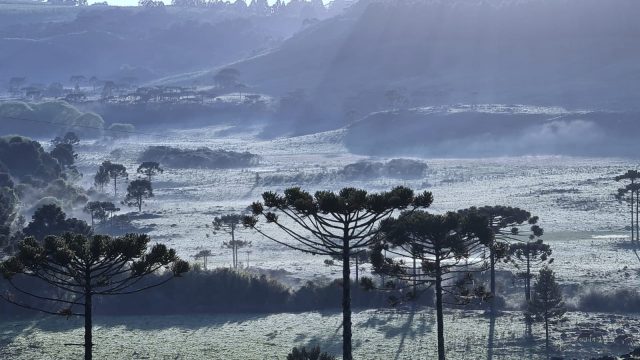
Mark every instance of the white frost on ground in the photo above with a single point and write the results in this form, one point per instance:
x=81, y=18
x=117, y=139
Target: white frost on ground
x=377, y=334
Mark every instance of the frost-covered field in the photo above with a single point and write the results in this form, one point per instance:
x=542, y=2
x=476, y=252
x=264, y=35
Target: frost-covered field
x=378, y=334
x=572, y=196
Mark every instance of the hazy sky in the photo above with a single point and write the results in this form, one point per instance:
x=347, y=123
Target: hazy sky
x=167, y=2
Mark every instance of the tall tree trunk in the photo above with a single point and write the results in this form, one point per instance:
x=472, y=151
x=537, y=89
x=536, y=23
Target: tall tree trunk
x=415, y=280
x=632, y=222
x=527, y=280
x=233, y=246
x=88, y=321
x=492, y=256
x=115, y=186
x=637, y=217
x=140, y=203
x=346, y=302
x=439, y=315
x=546, y=333
x=357, y=274
x=88, y=325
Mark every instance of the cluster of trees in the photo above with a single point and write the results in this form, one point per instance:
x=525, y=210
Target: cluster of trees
x=444, y=249
x=630, y=193
x=137, y=190
x=409, y=247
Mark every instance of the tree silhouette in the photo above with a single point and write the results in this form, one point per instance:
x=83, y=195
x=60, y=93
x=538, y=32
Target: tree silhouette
x=99, y=210
x=95, y=210
x=204, y=255
x=530, y=254
x=69, y=138
x=76, y=80
x=115, y=171
x=149, y=169
x=230, y=224
x=442, y=245
x=65, y=154
x=547, y=301
x=51, y=220
x=137, y=191
x=84, y=267
x=508, y=225
x=101, y=178
x=331, y=224
x=631, y=194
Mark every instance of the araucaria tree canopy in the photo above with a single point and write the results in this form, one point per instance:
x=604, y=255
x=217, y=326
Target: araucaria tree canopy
x=334, y=224
x=82, y=267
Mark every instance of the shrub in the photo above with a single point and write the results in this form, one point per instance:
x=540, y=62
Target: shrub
x=198, y=158
x=312, y=354
x=619, y=301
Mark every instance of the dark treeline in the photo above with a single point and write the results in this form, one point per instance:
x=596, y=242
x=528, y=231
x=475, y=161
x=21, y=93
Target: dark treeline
x=219, y=291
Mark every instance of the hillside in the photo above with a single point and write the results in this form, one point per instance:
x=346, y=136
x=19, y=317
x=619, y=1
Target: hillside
x=573, y=53
x=52, y=43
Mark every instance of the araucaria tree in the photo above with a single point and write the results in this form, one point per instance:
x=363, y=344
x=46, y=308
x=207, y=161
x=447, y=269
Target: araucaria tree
x=530, y=255
x=137, y=191
x=95, y=210
x=441, y=245
x=630, y=193
x=80, y=268
x=204, y=255
x=115, y=172
x=547, y=301
x=101, y=178
x=508, y=225
x=230, y=224
x=150, y=169
x=99, y=210
x=332, y=224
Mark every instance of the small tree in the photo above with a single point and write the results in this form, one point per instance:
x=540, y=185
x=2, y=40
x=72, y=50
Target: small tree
x=115, y=172
x=100, y=210
x=630, y=193
x=137, y=191
x=333, y=224
x=76, y=80
x=204, y=255
x=101, y=178
x=84, y=267
x=110, y=208
x=530, y=254
x=95, y=210
x=230, y=224
x=442, y=245
x=547, y=301
x=149, y=169
x=508, y=225
x=65, y=154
